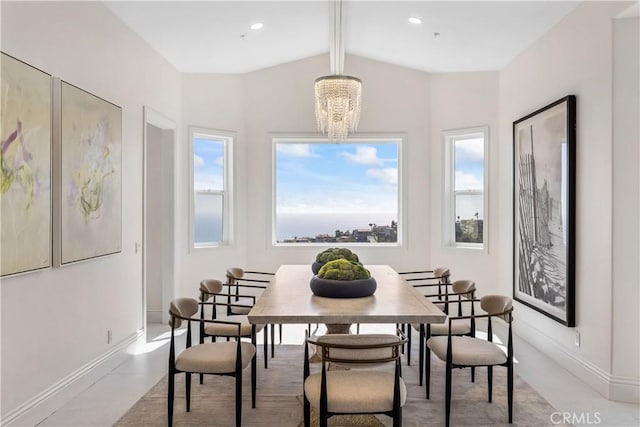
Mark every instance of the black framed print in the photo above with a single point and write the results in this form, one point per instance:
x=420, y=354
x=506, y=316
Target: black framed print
x=544, y=173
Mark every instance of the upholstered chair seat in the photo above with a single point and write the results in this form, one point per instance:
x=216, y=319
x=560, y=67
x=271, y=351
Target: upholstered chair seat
x=224, y=330
x=458, y=327
x=468, y=351
x=214, y=358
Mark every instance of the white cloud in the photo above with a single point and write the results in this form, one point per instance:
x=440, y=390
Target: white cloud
x=295, y=150
x=466, y=181
x=387, y=175
x=207, y=182
x=470, y=149
x=220, y=161
x=364, y=156
x=198, y=161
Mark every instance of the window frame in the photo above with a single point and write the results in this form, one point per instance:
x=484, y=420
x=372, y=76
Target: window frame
x=228, y=138
x=449, y=137
x=376, y=138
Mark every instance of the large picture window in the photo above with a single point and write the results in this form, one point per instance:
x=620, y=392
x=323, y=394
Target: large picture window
x=327, y=193
x=210, y=201
x=465, y=179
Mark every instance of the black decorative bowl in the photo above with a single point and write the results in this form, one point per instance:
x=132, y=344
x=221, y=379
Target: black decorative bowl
x=343, y=288
x=316, y=266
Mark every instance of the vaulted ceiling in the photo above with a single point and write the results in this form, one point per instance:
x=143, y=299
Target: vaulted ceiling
x=215, y=36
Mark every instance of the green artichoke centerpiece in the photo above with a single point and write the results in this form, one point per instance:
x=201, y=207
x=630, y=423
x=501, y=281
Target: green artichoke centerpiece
x=342, y=269
x=342, y=278
x=332, y=254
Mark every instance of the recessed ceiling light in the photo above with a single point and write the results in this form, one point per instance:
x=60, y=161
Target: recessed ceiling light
x=415, y=20
x=257, y=26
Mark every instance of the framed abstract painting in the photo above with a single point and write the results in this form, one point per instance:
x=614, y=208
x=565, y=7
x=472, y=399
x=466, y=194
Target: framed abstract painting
x=544, y=162
x=90, y=199
x=25, y=167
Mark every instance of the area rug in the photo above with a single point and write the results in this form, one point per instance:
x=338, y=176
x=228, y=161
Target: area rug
x=279, y=388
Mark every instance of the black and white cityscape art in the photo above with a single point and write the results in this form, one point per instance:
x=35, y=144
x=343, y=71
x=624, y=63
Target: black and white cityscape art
x=544, y=210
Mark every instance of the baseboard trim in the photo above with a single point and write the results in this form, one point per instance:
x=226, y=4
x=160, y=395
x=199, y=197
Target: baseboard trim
x=625, y=389
x=45, y=403
x=621, y=389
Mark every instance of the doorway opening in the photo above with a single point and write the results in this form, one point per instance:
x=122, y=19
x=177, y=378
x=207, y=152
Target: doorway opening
x=158, y=251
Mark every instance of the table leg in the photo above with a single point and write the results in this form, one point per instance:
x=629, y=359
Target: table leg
x=339, y=328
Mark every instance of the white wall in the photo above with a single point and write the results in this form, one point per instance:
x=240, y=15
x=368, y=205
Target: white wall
x=626, y=204
x=463, y=100
x=212, y=101
x=575, y=57
x=54, y=322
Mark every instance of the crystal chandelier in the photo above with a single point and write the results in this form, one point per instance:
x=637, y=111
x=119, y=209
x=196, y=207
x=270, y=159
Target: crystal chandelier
x=338, y=97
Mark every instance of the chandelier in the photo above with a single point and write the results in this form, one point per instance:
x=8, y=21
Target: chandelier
x=338, y=97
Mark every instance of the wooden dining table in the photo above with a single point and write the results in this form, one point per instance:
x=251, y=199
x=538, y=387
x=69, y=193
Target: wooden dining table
x=288, y=299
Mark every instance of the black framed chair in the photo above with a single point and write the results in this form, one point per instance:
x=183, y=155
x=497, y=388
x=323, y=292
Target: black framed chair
x=355, y=391
x=424, y=280
x=248, y=281
x=461, y=290
x=210, y=295
x=228, y=358
x=465, y=351
x=439, y=276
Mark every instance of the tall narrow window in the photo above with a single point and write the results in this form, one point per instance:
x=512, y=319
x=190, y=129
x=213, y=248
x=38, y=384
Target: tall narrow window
x=337, y=194
x=465, y=195
x=210, y=202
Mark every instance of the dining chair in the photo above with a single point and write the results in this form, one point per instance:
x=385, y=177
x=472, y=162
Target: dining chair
x=249, y=281
x=466, y=351
x=425, y=280
x=460, y=290
x=227, y=358
x=439, y=276
x=210, y=294
x=360, y=389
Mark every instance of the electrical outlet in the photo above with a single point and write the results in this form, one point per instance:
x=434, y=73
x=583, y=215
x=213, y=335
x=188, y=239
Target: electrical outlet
x=109, y=336
x=576, y=339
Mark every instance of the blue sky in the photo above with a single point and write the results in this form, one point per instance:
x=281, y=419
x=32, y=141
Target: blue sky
x=208, y=160
x=331, y=178
x=469, y=159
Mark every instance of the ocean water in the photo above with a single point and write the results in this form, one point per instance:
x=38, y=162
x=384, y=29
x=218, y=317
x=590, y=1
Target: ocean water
x=310, y=225
x=208, y=228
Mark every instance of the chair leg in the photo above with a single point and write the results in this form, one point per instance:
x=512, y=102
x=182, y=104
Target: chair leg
x=254, y=369
x=187, y=389
x=490, y=381
x=273, y=339
x=266, y=345
x=239, y=399
x=397, y=418
x=473, y=374
x=280, y=333
x=510, y=391
x=307, y=411
x=448, y=396
x=409, y=328
x=421, y=355
x=201, y=378
x=170, y=396
x=427, y=370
